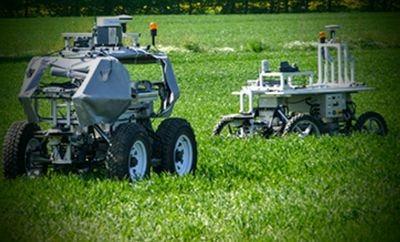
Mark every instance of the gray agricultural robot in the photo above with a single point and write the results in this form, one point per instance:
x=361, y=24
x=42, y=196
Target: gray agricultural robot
x=82, y=108
x=289, y=101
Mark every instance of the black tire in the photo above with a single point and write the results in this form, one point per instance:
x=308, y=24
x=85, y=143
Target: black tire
x=176, y=147
x=224, y=125
x=303, y=125
x=373, y=123
x=19, y=144
x=129, y=153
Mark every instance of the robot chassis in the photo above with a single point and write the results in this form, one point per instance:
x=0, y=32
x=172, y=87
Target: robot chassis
x=290, y=102
x=82, y=109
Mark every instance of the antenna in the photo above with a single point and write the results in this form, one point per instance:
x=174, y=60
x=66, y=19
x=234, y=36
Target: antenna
x=332, y=32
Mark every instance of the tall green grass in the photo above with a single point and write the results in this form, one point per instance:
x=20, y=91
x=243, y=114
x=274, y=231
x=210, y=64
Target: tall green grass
x=43, y=35
x=335, y=188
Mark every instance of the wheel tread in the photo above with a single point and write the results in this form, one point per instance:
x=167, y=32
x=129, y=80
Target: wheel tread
x=365, y=116
x=166, y=141
x=227, y=119
x=13, y=153
x=299, y=117
x=118, y=150
x=221, y=124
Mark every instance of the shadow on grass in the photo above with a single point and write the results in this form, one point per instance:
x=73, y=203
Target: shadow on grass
x=96, y=172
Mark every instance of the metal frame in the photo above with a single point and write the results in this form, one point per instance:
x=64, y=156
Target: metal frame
x=336, y=79
x=93, y=94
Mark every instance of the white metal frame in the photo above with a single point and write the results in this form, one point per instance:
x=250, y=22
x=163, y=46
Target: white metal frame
x=285, y=79
x=333, y=77
x=335, y=71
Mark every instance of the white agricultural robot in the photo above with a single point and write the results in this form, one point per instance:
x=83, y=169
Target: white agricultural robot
x=289, y=101
x=83, y=108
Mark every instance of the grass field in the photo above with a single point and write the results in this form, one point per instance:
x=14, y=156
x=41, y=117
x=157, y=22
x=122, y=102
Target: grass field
x=332, y=188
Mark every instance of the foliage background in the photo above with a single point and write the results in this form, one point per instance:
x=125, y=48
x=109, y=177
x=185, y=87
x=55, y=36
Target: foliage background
x=14, y=8
x=333, y=188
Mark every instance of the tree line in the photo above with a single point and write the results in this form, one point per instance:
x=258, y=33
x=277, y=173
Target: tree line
x=31, y=8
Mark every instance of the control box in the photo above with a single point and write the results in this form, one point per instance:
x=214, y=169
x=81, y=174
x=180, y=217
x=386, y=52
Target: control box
x=333, y=105
x=109, y=31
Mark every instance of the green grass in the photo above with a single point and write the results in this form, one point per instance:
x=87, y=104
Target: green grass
x=335, y=188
